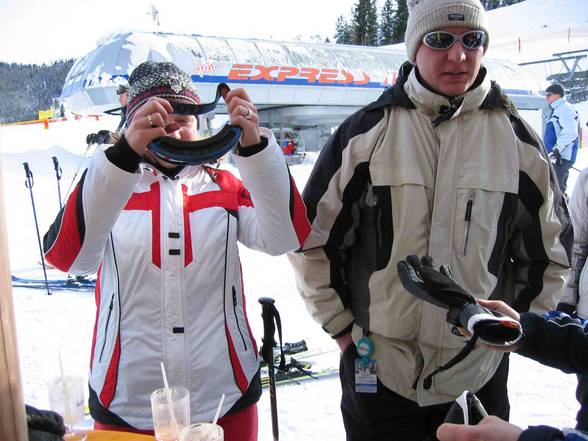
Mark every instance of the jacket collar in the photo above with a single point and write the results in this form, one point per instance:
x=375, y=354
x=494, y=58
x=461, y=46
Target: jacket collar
x=558, y=102
x=434, y=104
x=491, y=94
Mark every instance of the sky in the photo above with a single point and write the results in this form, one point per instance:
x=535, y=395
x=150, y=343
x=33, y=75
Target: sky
x=39, y=31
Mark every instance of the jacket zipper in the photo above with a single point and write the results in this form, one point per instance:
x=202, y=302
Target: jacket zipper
x=110, y=306
x=468, y=220
x=236, y=318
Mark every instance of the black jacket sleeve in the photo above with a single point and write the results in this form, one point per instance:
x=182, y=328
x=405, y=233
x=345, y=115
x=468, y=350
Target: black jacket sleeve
x=556, y=340
x=541, y=433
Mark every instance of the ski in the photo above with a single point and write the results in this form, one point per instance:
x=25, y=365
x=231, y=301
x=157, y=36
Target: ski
x=73, y=283
x=306, y=365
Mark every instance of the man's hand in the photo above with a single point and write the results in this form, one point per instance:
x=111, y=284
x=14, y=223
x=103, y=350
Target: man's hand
x=490, y=428
x=344, y=342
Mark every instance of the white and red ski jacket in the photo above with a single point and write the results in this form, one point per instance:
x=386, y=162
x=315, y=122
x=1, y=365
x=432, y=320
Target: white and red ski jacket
x=169, y=283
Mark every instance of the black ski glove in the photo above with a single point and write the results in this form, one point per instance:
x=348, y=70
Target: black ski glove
x=421, y=279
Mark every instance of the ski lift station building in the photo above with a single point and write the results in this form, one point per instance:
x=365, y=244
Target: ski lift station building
x=309, y=87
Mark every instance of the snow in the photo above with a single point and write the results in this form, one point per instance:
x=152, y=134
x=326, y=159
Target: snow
x=63, y=322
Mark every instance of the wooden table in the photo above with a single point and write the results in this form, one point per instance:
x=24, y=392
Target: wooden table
x=109, y=435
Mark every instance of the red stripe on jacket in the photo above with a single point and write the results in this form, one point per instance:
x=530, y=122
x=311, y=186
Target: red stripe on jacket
x=240, y=378
x=150, y=200
x=109, y=387
x=68, y=243
x=97, y=300
x=298, y=214
x=231, y=196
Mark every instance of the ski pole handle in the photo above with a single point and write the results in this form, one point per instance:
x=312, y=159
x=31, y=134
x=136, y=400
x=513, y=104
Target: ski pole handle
x=29, y=174
x=267, y=304
x=56, y=167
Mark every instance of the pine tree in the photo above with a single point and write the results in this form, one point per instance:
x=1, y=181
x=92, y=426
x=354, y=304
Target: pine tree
x=492, y=4
x=387, y=23
x=343, y=31
x=365, y=23
x=399, y=21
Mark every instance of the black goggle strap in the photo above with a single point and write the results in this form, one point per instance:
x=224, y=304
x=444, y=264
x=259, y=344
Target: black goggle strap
x=469, y=347
x=199, y=109
x=202, y=151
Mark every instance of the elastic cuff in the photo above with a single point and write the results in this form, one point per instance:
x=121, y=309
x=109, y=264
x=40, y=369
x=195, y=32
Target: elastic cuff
x=541, y=433
x=123, y=156
x=245, y=152
x=340, y=323
x=347, y=330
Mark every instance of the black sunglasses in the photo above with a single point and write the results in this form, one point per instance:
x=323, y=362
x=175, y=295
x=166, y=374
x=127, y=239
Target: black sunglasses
x=200, y=109
x=443, y=40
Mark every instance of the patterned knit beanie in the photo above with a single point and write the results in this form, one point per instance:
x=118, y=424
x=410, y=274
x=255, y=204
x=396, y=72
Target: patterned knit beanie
x=425, y=16
x=162, y=79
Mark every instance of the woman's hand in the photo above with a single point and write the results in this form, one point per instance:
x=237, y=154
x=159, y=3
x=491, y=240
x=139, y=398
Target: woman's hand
x=147, y=124
x=243, y=113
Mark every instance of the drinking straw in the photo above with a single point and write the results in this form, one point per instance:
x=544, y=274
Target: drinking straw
x=218, y=409
x=169, y=399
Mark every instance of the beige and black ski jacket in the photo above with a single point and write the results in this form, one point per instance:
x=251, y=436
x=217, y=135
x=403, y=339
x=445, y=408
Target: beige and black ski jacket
x=397, y=178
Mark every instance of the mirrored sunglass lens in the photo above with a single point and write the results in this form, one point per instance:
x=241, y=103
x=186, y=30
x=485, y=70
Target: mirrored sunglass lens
x=474, y=39
x=439, y=40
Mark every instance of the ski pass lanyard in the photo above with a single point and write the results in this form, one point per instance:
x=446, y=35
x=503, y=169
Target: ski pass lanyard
x=366, y=379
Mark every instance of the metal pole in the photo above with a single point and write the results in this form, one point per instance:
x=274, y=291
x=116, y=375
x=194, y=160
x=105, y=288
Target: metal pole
x=58, y=174
x=267, y=352
x=29, y=184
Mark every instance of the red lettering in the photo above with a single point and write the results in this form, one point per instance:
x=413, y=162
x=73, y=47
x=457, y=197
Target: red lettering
x=348, y=77
x=365, y=80
x=328, y=76
x=240, y=72
x=264, y=73
x=285, y=72
x=310, y=74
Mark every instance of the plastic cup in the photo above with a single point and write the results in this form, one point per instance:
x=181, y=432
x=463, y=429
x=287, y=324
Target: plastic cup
x=66, y=397
x=168, y=428
x=202, y=432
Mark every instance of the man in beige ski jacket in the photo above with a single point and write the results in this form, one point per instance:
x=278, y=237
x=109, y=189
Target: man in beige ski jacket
x=441, y=165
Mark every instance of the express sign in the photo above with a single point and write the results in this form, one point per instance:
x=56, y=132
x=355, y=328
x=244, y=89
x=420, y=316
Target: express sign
x=282, y=74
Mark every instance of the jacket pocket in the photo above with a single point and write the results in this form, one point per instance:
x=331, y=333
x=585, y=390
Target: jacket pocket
x=235, y=303
x=105, y=334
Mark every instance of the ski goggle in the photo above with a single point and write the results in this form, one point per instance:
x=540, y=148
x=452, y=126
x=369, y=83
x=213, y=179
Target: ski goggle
x=201, y=151
x=200, y=109
x=443, y=40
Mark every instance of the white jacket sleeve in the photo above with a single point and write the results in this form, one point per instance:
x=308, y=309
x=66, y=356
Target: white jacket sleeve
x=276, y=223
x=76, y=240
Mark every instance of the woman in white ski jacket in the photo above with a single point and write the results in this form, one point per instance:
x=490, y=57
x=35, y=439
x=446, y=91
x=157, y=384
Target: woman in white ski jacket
x=163, y=240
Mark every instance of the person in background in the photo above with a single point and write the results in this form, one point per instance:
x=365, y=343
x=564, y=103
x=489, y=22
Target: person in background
x=561, y=133
x=123, y=97
x=575, y=299
x=441, y=164
x=163, y=239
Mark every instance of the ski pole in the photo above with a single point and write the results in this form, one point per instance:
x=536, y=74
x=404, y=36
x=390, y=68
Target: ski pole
x=29, y=182
x=269, y=313
x=58, y=174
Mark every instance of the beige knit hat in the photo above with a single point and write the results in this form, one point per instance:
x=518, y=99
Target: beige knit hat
x=425, y=16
